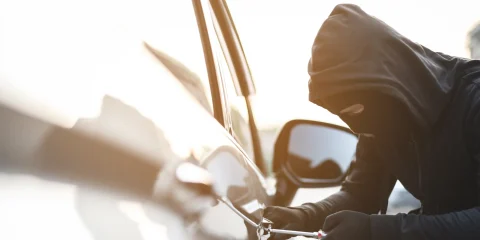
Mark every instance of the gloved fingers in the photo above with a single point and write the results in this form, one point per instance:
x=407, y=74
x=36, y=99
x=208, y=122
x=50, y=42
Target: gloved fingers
x=330, y=236
x=279, y=236
x=332, y=221
x=271, y=211
x=274, y=214
x=333, y=235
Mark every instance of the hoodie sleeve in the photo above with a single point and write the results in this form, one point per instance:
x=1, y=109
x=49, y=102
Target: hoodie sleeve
x=366, y=188
x=456, y=225
x=463, y=225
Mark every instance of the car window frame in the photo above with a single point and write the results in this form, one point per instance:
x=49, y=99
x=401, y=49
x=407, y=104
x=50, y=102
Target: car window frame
x=233, y=51
x=232, y=46
x=219, y=112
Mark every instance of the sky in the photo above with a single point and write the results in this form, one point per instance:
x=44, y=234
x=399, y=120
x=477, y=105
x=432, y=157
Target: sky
x=277, y=38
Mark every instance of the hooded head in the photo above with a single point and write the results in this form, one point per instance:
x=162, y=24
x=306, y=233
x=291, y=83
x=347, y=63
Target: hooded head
x=390, y=83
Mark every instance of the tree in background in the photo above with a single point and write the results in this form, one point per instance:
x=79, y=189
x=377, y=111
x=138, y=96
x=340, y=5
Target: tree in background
x=474, y=42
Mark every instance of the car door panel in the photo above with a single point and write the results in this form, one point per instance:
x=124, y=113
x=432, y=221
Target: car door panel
x=138, y=116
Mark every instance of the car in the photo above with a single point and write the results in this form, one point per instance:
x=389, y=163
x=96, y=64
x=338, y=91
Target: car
x=131, y=119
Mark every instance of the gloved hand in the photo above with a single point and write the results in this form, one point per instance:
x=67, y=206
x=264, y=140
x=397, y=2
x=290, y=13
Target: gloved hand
x=288, y=218
x=347, y=225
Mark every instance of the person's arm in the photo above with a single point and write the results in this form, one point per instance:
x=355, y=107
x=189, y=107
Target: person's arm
x=365, y=189
x=463, y=225
x=456, y=225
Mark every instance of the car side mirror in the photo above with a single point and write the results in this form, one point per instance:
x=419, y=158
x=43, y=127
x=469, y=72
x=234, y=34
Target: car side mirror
x=310, y=154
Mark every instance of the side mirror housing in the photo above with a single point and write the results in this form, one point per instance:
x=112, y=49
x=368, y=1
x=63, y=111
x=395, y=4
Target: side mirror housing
x=310, y=154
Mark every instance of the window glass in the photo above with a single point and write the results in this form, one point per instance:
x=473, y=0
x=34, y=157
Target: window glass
x=236, y=108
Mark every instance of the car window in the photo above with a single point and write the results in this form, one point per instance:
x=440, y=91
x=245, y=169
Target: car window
x=235, y=107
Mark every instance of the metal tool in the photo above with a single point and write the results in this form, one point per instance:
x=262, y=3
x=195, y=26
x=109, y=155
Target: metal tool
x=267, y=226
x=264, y=228
x=317, y=235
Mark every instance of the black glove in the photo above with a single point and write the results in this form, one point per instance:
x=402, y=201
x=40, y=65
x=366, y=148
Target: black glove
x=347, y=225
x=288, y=218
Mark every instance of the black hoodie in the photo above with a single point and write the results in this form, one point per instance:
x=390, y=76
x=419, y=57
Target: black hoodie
x=354, y=51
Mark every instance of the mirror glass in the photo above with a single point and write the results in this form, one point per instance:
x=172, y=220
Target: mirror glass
x=320, y=152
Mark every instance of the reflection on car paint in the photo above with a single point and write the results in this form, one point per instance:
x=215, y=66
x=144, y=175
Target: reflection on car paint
x=239, y=186
x=34, y=208
x=229, y=173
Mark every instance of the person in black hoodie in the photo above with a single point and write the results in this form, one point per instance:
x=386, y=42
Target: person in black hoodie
x=417, y=113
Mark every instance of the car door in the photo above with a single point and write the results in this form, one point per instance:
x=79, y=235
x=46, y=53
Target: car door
x=241, y=180
x=106, y=103
x=235, y=175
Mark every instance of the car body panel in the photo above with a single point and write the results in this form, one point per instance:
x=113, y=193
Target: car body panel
x=96, y=97
x=35, y=208
x=96, y=108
